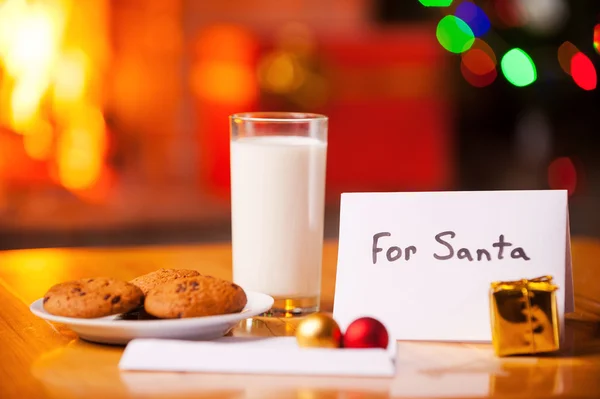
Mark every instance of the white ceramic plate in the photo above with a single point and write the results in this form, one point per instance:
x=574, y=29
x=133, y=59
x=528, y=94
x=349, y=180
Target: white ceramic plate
x=113, y=330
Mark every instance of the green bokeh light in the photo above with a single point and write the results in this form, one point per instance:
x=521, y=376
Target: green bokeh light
x=454, y=34
x=518, y=68
x=436, y=3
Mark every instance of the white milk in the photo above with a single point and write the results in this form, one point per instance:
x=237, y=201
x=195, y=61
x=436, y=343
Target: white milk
x=278, y=195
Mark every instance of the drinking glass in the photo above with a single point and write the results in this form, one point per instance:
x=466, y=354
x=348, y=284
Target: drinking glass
x=278, y=163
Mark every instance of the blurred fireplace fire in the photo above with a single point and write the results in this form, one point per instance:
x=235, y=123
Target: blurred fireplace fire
x=53, y=58
x=91, y=136
x=113, y=114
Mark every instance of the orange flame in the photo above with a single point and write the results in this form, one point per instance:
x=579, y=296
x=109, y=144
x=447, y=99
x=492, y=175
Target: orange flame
x=30, y=36
x=44, y=88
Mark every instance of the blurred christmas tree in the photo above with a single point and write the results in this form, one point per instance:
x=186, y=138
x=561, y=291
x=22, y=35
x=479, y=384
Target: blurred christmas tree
x=511, y=136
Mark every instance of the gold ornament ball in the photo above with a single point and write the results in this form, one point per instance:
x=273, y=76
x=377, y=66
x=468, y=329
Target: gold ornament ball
x=319, y=331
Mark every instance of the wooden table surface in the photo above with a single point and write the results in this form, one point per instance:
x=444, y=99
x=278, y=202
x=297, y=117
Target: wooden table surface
x=40, y=360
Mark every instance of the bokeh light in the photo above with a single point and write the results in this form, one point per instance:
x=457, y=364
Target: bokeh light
x=280, y=72
x=436, y=3
x=474, y=16
x=482, y=45
x=476, y=80
x=518, y=68
x=478, y=65
x=508, y=13
x=562, y=175
x=543, y=17
x=478, y=62
x=583, y=72
x=566, y=52
x=454, y=34
x=597, y=38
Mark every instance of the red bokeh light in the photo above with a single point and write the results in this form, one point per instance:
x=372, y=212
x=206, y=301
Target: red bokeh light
x=508, y=13
x=584, y=72
x=478, y=65
x=562, y=175
x=482, y=45
x=478, y=80
x=478, y=62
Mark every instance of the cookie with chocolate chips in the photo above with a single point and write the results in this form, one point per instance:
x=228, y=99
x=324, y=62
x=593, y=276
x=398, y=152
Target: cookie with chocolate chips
x=92, y=297
x=195, y=297
x=161, y=276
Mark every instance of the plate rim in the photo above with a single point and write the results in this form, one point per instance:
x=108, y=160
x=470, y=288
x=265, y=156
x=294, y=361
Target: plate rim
x=38, y=310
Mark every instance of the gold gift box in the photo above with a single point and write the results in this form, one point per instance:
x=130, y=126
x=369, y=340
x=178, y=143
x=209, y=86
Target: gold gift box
x=524, y=316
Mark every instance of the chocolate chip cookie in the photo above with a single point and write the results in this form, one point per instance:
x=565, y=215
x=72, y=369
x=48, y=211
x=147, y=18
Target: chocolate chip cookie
x=161, y=276
x=92, y=297
x=194, y=297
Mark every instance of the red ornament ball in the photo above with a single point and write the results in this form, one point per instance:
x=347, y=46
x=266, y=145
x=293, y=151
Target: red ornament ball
x=366, y=332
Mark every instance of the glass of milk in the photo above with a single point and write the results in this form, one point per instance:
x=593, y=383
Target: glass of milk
x=277, y=206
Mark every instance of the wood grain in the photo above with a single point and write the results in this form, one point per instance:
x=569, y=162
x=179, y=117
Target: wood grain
x=41, y=360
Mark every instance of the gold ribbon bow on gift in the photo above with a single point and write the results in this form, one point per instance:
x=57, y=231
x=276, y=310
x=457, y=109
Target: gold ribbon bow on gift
x=543, y=283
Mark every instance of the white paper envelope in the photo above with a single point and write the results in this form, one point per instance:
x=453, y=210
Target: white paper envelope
x=279, y=355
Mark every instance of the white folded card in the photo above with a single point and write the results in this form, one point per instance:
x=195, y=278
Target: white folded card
x=422, y=263
x=279, y=355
